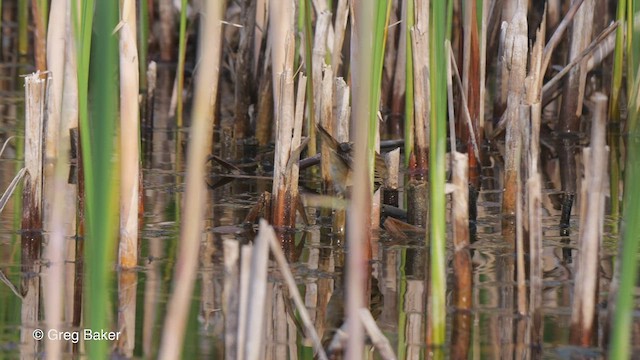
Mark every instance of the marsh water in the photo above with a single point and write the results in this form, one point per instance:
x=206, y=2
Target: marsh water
x=398, y=270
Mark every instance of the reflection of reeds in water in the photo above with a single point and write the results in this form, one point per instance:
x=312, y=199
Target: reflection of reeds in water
x=258, y=63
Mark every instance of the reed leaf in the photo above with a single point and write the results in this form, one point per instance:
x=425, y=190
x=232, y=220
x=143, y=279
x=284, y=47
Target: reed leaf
x=437, y=149
x=620, y=346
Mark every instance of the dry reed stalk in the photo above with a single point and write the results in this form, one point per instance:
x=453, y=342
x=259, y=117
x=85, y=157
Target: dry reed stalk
x=167, y=29
x=377, y=337
x=483, y=67
x=243, y=78
x=39, y=37
x=260, y=22
x=69, y=121
x=56, y=53
x=233, y=288
x=317, y=65
x=521, y=215
x=471, y=88
x=201, y=135
x=571, y=110
x=326, y=119
x=152, y=288
x=358, y=227
x=586, y=283
x=264, y=121
x=129, y=137
x=414, y=306
x=461, y=335
x=390, y=67
x=392, y=181
x=514, y=71
x=339, y=27
x=283, y=211
x=590, y=57
x=36, y=88
x=420, y=38
x=395, y=121
x=533, y=188
x=256, y=291
x=129, y=177
x=56, y=202
x=270, y=237
x=417, y=189
x=341, y=131
x=281, y=23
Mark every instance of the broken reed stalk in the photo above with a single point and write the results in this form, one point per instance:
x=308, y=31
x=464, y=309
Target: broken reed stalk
x=516, y=50
x=200, y=144
x=416, y=127
x=288, y=134
x=586, y=282
x=462, y=285
x=273, y=243
x=35, y=101
x=129, y=177
x=571, y=110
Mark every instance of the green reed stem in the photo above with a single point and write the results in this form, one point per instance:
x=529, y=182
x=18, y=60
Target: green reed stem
x=23, y=31
x=43, y=7
x=408, y=104
x=182, y=50
x=623, y=318
x=614, y=118
x=305, y=11
x=437, y=151
x=383, y=10
x=143, y=41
